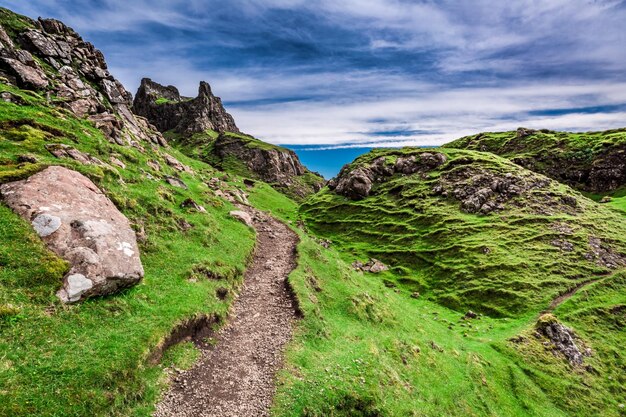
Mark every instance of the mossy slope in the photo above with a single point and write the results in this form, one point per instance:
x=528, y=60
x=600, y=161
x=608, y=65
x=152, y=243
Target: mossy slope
x=508, y=262
x=588, y=161
x=92, y=358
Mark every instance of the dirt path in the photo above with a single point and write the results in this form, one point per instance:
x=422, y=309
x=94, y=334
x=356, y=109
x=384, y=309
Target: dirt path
x=566, y=296
x=236, y=377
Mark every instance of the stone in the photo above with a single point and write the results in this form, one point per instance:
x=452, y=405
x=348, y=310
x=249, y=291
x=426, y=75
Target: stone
x=173, y=181
x=562, y=338
x=190, y=203
x=174, y=163
x=117, y=162
x=81, y=225
x=27, y=159
x=28, y=77
x=470, y=315
x=75, y=62
x=243, y=217
x=179, y=113
x=356, y=183
x=60, y=150
x=373, y=265
x=154, y=165
x=9, y=97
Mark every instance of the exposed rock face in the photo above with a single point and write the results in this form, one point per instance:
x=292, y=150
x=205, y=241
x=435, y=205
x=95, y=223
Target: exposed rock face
x=356, y=183
x=76, y=73
x=562, y=338
x=81, y=225
x=271, y=164
x=598, y=165
x=168, y=110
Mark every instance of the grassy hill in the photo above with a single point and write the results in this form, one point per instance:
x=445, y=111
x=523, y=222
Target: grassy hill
x=588, y=161
x=418, y=356
x=510, y=261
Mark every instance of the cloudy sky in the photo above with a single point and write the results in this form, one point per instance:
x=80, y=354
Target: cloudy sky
x=371, y=72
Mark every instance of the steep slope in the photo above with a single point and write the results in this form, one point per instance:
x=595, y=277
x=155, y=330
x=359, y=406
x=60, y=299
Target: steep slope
x=202, y=128
x=469, y=229
x=591, y=161
x=51, y=58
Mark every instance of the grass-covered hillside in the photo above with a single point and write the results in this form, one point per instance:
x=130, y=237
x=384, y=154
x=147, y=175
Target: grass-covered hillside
x=93, y=358
x=588, y=161
x=541, y=238
x=455, y=236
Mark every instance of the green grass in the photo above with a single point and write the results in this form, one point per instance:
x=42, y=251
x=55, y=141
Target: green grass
x=559, y=155
x=91, y=358
x=163, y=100
x=365, y=348
x=502, y=264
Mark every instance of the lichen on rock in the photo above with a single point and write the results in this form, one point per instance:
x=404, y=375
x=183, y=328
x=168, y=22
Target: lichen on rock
x=81, y=225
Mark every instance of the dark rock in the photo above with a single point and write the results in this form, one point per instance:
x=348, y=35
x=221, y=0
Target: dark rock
x=523, y=132
x=29, y=159
x=470, y=315
x=562, y=338
x=168, y=110
x=221, y=293
x=189, y=203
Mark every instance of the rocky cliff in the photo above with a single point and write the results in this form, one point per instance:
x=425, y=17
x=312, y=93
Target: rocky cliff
x=591, y=161
x=168, y=110
x=272, y=164
x=48, y=57
x=202, y=127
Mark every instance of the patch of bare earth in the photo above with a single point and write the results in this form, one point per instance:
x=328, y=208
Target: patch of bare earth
x=236, y=377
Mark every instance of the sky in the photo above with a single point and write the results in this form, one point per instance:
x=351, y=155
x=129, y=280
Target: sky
x=364, y=73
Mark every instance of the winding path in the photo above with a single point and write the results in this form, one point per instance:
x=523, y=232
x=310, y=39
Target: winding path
x=236, y=376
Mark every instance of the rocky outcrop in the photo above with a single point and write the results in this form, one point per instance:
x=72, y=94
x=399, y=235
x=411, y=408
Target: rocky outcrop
x=356, y=182
x=81, y=225
x=272, y=164
x=168, y=110
x=592, y=162
x=562, y=339
x=49, y=57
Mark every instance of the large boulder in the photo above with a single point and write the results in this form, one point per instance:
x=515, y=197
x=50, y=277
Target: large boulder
x=81, y=225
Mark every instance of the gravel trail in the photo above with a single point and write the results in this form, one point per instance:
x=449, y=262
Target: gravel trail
x=236, y=376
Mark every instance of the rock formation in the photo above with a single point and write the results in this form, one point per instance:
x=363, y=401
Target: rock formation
x=272, y=164
x=563, y=339
x=356, y=183
x=168, y=110
x=81, y=225
x=49, y=57
x=592, y=162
